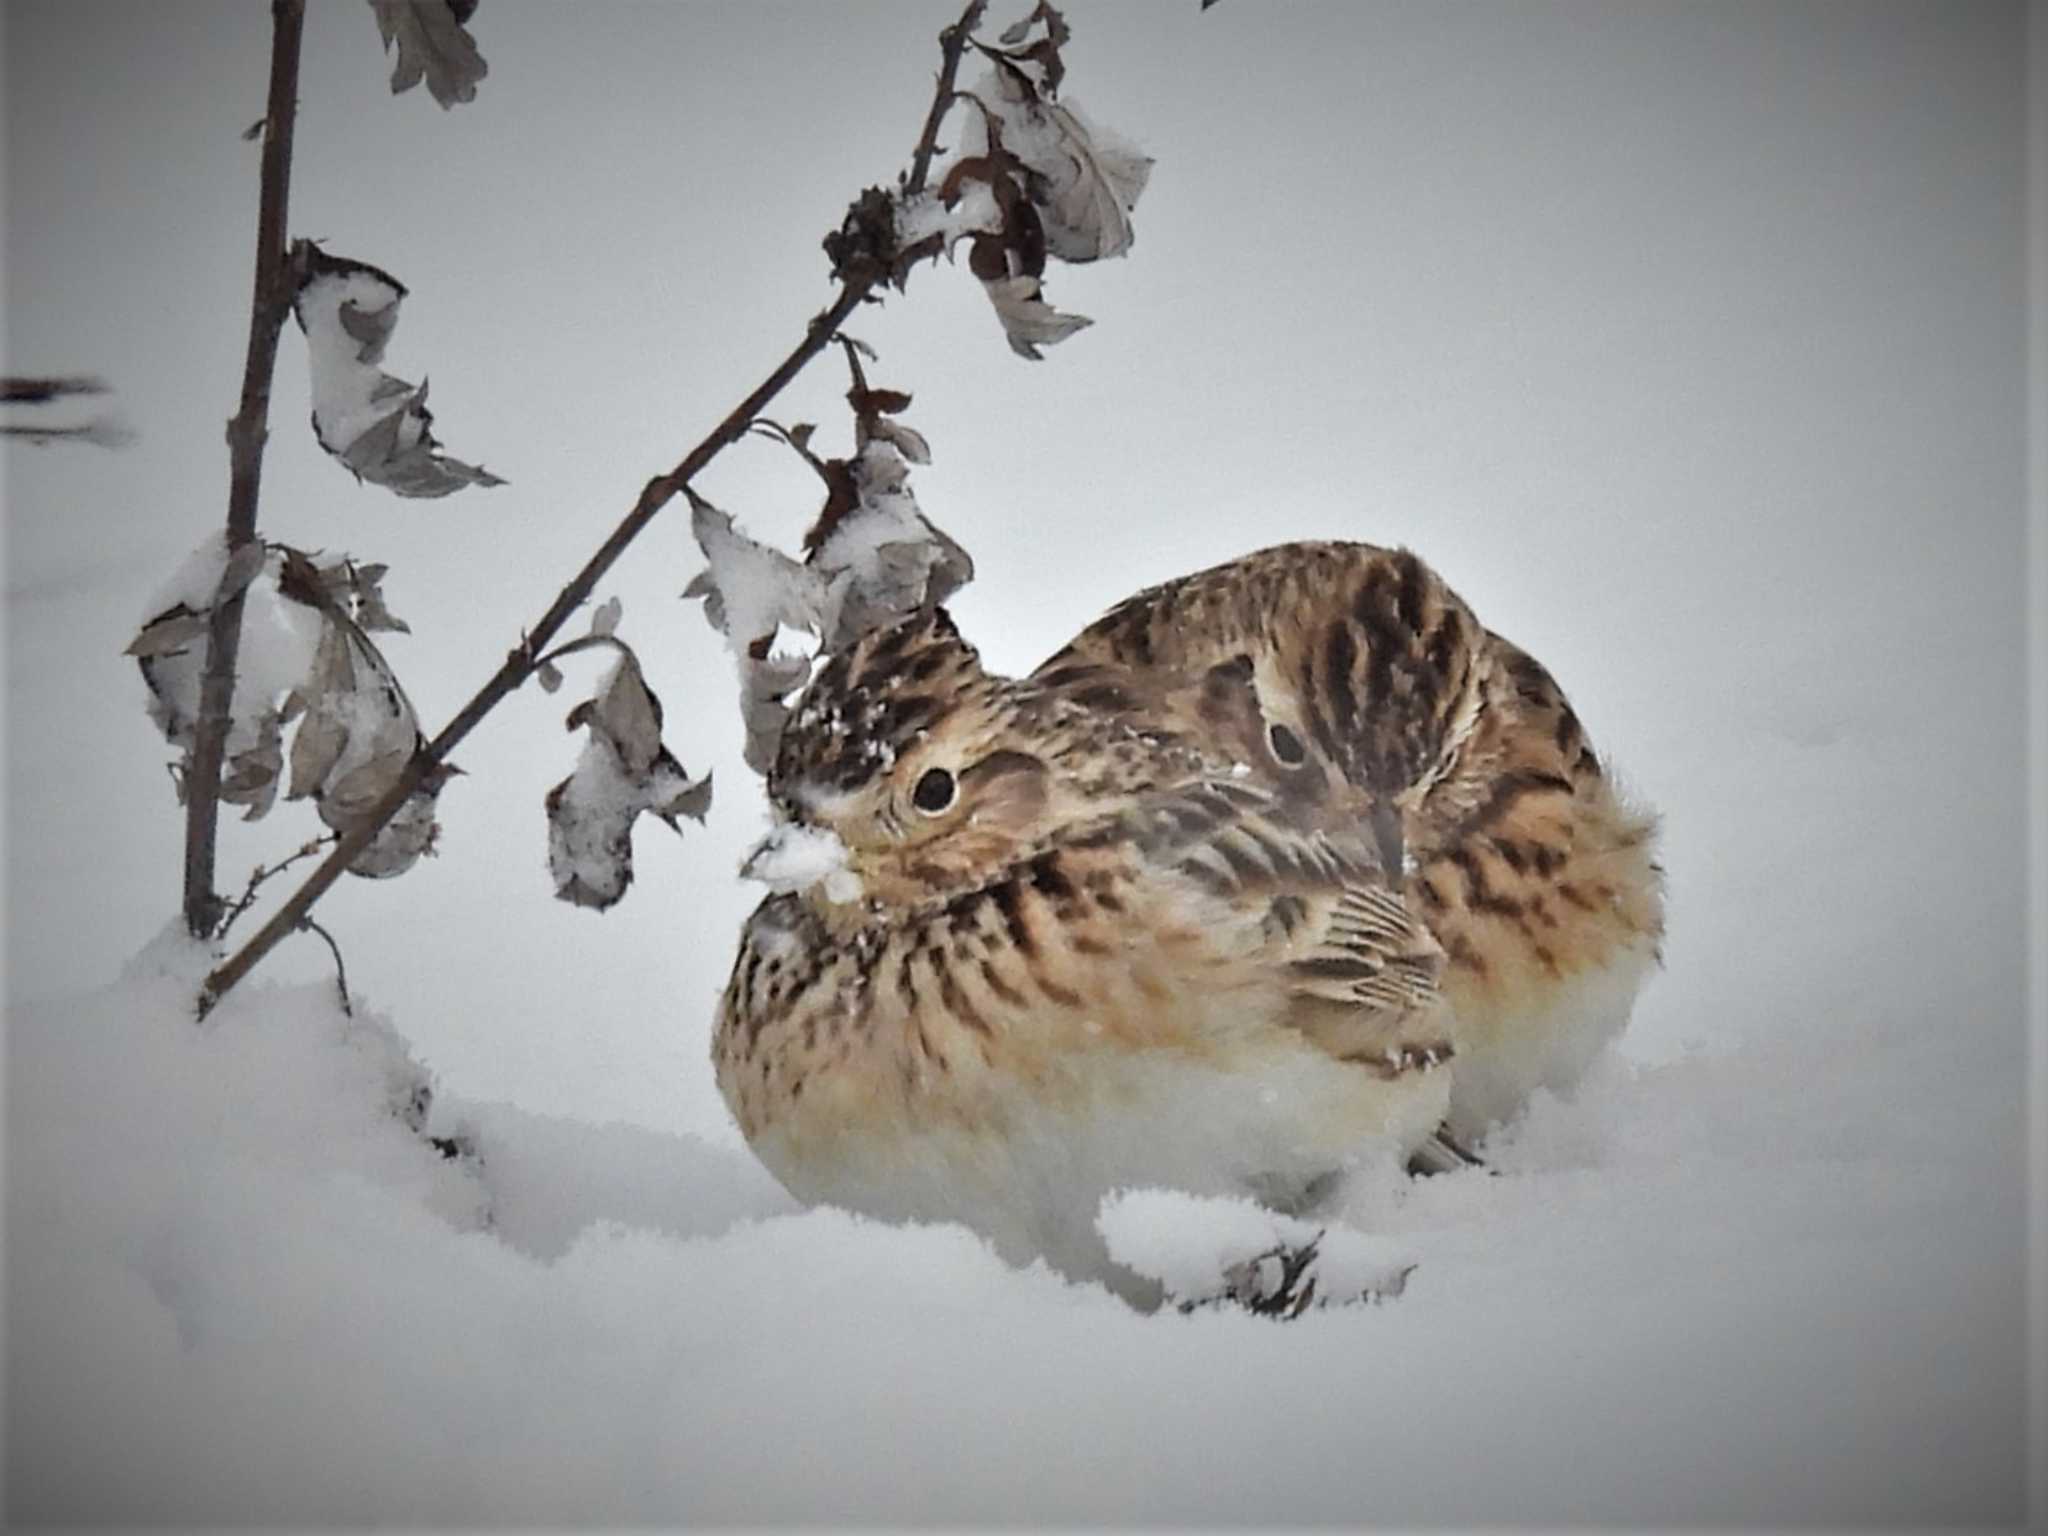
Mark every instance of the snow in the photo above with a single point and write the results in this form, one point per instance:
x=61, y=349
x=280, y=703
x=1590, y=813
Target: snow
x=1189, y=1243
x=241, y=1289
x=192, y=581
x=920, y=217
x=760, y=590
x=795, y=857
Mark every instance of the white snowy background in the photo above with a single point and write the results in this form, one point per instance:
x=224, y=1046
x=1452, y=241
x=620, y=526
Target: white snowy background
x=1689, y=341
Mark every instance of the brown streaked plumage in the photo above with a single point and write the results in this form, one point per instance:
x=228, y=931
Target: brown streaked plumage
x=1358, y=688
x=1085, y=952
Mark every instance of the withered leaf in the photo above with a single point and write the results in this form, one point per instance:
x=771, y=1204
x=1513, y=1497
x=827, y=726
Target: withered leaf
x=1028, y=321
x=883, y=402
x=323, y=698
x=249, y=778
x=366, y=591
x=626, y=714
x=433, y=45
x=1087, y=215
x=1084, y=180
x=243, y=565
x=170, y=633
x=346, y=797
x=359, y=730
x=410, y=834
x=907, y=441
x=1046, y=51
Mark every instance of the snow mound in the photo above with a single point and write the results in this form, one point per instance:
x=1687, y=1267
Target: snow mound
x=1205, y=1249
x=246, y=1286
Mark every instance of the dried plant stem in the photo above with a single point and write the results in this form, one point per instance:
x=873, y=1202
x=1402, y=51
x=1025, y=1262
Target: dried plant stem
x=264, y=872
x=307, y=925
x=952, y=43
x=203, y=907
x=857, y=282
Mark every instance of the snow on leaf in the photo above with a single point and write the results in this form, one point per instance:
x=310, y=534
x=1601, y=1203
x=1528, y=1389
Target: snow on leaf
x=1032, y=178
x=624, y=770
x=433, y=45
x=169, y=633
x=871, y=556
x=303, y=656
x=749, y=588
x=887, y=557
x=276, y=646
x=378, y=426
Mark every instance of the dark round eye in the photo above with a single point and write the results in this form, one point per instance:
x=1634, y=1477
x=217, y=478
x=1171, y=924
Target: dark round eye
x=934, y=791
x=1286, y=745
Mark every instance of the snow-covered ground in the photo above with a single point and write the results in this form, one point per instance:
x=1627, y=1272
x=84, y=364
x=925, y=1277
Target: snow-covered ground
x=1685, y=340
x=1776, y=1285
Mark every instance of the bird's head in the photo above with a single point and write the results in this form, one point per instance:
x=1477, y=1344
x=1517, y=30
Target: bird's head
x=903, y=775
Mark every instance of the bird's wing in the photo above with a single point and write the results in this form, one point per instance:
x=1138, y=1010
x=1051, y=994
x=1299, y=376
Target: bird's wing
x=1354, y=967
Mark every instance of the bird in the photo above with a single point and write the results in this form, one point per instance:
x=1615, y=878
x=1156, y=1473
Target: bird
x=1278, y=870
x=1356, y=686
x=1023, y=952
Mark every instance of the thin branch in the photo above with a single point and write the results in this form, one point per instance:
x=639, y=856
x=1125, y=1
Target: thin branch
x=263, y=872
x=856, y=284
x=583, y=643
x=246, y=434
x=307, y=925
x=860, y=378
x=952, y=43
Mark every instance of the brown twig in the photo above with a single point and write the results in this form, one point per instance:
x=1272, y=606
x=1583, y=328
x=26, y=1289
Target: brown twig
x=952, y=43
x=263, y=872
x=246, y=434
x=857, y=281
x=307, y=925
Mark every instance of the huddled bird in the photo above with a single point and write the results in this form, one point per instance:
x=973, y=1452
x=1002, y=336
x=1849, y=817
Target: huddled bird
x=1279, y=868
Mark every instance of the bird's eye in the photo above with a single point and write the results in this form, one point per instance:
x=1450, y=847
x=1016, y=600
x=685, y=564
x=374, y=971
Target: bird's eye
x=934, y=791
x=1286, y=746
